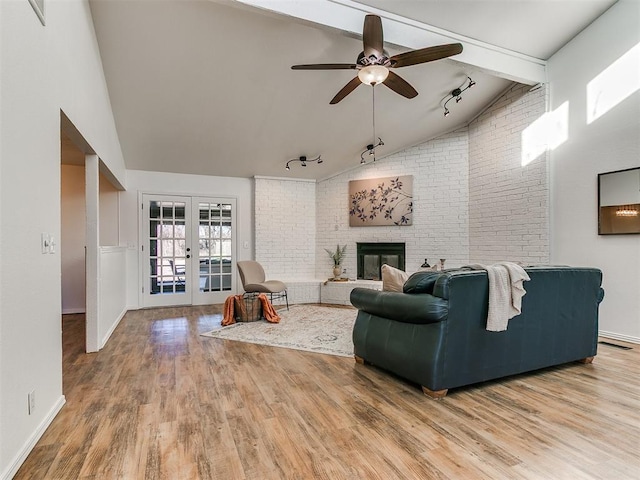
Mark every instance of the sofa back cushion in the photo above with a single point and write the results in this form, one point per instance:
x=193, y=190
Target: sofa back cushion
x=421, y=282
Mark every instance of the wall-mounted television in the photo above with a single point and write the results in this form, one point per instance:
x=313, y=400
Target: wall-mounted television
x=619, y=202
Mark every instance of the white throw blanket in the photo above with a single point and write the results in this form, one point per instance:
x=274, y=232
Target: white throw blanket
x=505, y=293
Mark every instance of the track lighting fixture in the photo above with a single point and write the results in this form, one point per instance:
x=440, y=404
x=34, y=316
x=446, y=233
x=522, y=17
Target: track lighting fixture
x=371, y=150
x=303, y=161
x=457, y=94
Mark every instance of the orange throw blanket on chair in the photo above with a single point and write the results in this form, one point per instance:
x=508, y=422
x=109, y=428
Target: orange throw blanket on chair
x=268, y=311
x=229, y=317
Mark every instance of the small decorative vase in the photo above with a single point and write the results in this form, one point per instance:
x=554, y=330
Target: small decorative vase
x=336, y=271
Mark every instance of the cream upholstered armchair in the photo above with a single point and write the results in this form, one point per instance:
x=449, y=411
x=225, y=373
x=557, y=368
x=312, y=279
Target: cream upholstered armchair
x=254, y=281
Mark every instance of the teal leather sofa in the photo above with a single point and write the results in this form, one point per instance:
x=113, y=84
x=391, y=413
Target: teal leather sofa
x=434, y=333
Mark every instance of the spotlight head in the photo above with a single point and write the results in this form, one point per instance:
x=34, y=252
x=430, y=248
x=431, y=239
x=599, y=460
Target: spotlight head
x=303, y=164
x=287, y=168
x=471, y=82
x=320, y=160
x=458, y=99
x=446, y=112
x=362, y=161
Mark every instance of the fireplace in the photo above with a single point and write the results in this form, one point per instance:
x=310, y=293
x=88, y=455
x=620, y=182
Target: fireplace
x=371, y=257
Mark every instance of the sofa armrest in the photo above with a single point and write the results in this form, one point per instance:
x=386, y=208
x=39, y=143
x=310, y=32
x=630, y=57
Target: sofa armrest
x=417, y=308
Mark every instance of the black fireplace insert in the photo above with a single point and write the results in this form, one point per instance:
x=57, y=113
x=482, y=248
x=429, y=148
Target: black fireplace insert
x=371, y=256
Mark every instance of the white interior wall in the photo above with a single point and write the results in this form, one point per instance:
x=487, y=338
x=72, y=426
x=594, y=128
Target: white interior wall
x=112, y=291
x=609, y=143
x=109, y=220
x=179, y=184
x=45, y=69
x=72, y=238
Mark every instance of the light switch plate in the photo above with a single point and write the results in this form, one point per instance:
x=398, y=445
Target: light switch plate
x=44, y=242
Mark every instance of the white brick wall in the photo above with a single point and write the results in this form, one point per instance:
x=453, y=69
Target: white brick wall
x=508, y=203
x=285, y=227
x=473, y=202
x=440, y=195
x=339, y=293
x=301, y=291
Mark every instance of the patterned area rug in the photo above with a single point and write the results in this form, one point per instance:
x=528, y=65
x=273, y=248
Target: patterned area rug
x=312, y=328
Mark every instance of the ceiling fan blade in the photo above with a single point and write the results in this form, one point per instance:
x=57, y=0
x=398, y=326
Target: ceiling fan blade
x=425, y=55
x=346, y=90
x=325, y=66
x=372, y=36
x=399, y=85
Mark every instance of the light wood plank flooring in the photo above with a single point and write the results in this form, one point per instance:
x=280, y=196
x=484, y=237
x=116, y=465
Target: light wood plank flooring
x=162, y=402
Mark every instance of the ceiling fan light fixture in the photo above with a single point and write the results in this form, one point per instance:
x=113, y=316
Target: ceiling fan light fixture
x=373, y=74
x=373, y=62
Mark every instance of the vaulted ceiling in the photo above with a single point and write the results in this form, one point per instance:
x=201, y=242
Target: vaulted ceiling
x=205, y=87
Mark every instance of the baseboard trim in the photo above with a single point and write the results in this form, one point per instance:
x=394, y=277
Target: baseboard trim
x=106, y=338
x=619, y=336
x=31, y=442
x=69, y=311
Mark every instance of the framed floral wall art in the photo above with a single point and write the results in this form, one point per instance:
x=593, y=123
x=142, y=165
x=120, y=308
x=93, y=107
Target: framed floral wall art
x=381, y=201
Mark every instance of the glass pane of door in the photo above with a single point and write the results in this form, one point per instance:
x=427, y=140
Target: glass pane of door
x=215, y=232
x=167, y=251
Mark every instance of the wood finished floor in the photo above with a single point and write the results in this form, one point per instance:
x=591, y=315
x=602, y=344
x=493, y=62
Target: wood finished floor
x=162, y=402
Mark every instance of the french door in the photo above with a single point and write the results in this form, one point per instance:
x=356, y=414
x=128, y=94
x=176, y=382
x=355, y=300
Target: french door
x=188, y=250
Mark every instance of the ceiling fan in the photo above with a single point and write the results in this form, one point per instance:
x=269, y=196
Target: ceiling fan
x=373, y=63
